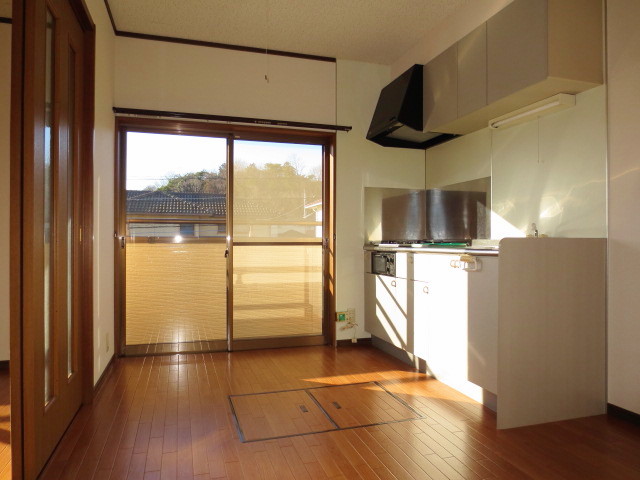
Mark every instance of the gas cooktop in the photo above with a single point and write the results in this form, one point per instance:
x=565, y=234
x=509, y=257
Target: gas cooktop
x=419, y=244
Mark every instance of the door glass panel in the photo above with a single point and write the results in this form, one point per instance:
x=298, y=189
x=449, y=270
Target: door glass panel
x=48, y=209
x=277, y=190
x=277, y=290
x=277, y=255
x=176, y=231
x=71, y=366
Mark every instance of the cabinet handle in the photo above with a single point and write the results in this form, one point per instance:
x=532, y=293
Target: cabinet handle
x=425, y=289
x=393, y=283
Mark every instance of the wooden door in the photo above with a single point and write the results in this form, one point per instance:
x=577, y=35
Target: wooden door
x=53, y=207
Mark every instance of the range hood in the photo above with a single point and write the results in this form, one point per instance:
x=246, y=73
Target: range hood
x=398, y=120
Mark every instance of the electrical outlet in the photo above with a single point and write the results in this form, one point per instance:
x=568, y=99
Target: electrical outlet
x=351, y=315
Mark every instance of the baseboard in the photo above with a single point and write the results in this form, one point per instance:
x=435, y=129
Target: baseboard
x=4, y=364
x=348, y=343
x=103, y=377
x=623, y=414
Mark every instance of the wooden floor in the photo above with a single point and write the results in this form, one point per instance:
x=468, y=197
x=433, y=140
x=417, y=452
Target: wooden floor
x=5, y=425
x=169, y=417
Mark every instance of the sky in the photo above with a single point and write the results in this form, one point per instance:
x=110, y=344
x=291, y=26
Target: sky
x=152, y=157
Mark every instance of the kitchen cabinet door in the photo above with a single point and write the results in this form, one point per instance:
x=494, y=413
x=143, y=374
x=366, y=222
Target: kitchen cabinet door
x=483, y=325
x=421, y=311
x=447, y=324
x=517, y=48
x=388, y=314
x=440, y=95
x=472, y=71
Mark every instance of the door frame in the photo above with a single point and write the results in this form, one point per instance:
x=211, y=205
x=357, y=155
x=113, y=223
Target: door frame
x=233, y=131
x=22, y=35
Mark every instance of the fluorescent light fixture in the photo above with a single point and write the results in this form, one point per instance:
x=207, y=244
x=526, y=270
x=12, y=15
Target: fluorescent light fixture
x=535, y=110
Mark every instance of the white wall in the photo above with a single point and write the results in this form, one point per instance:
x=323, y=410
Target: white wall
x=450, y=30
x=361, y=163
x=551, y=171
x=623, y=62
x=5, y=110
x=185, y=78
x=103, y=165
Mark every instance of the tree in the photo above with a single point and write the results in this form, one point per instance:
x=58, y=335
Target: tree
x=281, y=189
x=197, y=182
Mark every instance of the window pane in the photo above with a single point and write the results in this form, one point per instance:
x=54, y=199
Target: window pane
x=71, y=347
x=176, y=186
x=277, y=290
x=48, y=209
x=176, y=269
x=277, y=191
x=176, y=293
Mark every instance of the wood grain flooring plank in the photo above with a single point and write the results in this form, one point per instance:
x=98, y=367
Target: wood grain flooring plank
x=169, y=417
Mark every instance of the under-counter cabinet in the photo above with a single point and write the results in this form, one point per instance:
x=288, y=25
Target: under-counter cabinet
x=461, y=319
x=443, y=315
x=523, y=332
x=387, y=310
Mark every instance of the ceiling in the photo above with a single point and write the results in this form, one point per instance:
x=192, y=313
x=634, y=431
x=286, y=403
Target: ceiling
x=377, y=31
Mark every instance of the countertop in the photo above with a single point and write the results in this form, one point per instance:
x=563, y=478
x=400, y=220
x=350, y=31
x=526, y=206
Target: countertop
x=490, y=252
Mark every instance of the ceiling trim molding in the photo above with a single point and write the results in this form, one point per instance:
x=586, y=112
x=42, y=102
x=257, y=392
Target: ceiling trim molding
x=203, y=43
x=225, y=46
x=113, y=22
x=6, y=20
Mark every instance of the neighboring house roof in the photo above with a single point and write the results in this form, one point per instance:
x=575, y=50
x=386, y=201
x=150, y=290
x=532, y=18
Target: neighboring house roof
x=160, y=202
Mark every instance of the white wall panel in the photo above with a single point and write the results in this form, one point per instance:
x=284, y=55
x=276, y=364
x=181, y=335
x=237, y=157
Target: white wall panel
x=623, y=62
x=550, y=172
x=103, y=172
x=174, y=77
x=361, y=163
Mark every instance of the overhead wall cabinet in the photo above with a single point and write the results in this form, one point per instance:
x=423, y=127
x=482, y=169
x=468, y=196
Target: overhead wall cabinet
x=529, y=51
x=440, y=83
x=472, y=71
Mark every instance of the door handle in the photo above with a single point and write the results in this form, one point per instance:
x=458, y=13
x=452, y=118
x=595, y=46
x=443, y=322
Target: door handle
x=393, y=283
x=226, y=253
x=425, y=289
x=120, y=238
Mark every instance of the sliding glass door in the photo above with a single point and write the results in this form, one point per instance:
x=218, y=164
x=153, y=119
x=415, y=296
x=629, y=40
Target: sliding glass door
x=222, y=241
x=175, y=242
x=277, y=237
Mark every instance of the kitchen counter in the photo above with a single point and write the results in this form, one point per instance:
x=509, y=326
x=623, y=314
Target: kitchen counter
x=493, y=252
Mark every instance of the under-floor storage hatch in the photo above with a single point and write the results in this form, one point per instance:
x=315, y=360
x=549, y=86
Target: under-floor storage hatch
x=269, y=415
